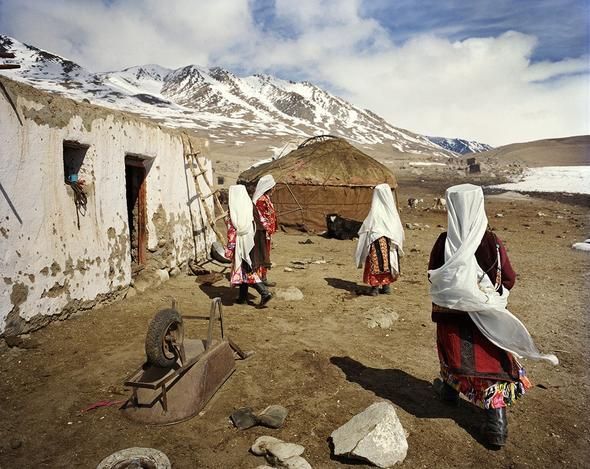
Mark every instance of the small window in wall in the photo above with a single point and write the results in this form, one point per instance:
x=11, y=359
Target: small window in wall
x=73, y=153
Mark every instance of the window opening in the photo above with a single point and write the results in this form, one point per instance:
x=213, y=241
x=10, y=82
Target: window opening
x=73, y=159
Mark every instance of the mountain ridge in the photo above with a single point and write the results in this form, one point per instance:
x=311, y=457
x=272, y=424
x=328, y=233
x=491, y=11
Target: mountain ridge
x=218, y=104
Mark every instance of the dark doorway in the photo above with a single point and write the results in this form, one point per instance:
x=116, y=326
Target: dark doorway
x=135, y=173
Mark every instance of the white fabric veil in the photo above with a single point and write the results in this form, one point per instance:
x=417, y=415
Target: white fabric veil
x=382, y=220
x=240, y=213
x=265, y=183
x=461, y=284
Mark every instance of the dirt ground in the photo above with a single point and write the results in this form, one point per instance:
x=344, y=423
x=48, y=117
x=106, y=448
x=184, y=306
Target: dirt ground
x=318, y=358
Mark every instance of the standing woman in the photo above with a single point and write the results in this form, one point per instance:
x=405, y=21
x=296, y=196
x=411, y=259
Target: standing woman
x=478, y=339
x=265, y=217
x=240, y=242
x=380, y=242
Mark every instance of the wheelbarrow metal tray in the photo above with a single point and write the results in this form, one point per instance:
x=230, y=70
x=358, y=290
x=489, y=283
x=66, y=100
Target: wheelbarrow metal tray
x=164, y=396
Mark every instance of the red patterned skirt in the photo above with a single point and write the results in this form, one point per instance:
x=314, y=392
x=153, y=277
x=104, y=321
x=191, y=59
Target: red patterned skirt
x=378, y=269
x=485, y=374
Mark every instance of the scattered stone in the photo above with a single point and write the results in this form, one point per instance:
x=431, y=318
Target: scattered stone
x=279, y=453
x=426, y=226
x=174, y=272
x=319, y=261
x=307, y=241
x=243, y=418
x=499, y=215
x=289, y=294
x=273, y=416
x=296, y=462
x=296, y=262
x=288, y=269
x=260, y=445
x=541, y=214
x=380, y=316
x=283, y=451
x=375, y=435
x=585, y=246
x=299, y=267
x=163, y=275
x=23, y=341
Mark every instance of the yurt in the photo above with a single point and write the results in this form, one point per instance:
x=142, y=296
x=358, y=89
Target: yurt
x=324, y=175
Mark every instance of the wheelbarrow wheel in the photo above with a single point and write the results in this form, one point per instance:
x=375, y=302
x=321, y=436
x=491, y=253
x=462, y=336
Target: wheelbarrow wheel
x=164, y=338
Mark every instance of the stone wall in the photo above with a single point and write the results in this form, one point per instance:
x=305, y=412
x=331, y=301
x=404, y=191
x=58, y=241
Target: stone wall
x=56, y=260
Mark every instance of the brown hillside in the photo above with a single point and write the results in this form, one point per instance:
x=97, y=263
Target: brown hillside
x=568, y=151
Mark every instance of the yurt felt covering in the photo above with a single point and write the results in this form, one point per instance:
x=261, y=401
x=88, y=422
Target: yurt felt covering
x=320, y=178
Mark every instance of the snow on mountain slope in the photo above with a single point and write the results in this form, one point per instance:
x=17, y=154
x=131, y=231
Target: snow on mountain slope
x=458, y=145
x=215, y=102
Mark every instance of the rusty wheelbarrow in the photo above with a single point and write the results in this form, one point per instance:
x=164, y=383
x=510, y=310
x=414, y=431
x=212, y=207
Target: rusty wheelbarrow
x=180, y=375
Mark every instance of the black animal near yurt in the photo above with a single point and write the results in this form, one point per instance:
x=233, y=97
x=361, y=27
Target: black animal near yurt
x=324, y=175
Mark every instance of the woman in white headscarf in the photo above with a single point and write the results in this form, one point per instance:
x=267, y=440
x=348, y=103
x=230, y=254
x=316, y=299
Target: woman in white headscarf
x=478, y=339
x=265, y=217
x=240, y=242
x=380, y=242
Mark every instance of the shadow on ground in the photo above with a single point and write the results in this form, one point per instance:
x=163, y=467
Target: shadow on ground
x=347, y=285
x=412, y=394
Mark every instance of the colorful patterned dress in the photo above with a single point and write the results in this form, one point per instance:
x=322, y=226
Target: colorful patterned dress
x=485, y=374
x=378, y=269
x=266, y=225
x=244, y=274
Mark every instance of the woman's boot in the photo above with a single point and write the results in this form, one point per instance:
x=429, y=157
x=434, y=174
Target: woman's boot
x=385, y=289
x=265, y=295
x=495, y=430
x=243, y=295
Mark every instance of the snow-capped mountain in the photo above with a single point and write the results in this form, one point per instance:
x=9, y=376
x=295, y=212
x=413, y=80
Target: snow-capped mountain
x=458, y=145
x=216, y=103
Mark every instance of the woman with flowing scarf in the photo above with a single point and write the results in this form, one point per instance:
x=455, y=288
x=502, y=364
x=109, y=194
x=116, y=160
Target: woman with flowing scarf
x=240, y=242
x=380, y=242
x=478, y=339
x=265, y=217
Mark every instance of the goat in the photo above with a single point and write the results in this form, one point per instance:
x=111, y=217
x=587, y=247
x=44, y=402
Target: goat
x=440, y=204
x=413, y=203
x=341, y=228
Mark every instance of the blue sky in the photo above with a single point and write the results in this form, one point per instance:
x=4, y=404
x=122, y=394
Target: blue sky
x=497, y=71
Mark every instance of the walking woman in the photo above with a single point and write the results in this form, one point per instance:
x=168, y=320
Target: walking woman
x=265, y=217
x=240, y=242
x=478, y=339
x=380, y=242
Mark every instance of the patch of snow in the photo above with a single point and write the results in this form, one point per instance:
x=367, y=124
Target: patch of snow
x=426, y=163
x=569, y=179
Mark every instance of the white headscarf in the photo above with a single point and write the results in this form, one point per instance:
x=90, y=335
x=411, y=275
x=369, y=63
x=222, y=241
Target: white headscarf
x=240, y=213
x=382, y=220
x=461, y=284
x=265, y=183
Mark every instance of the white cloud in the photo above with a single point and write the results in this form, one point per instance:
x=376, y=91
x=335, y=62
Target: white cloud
x=478, y=88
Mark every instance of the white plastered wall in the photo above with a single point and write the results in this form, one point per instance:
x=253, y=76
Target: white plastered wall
x=47, y=263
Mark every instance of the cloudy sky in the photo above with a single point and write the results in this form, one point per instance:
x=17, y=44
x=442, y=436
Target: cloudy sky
x=497, y=71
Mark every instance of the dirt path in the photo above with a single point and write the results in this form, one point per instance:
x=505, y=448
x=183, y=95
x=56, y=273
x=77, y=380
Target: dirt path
x=318, y=358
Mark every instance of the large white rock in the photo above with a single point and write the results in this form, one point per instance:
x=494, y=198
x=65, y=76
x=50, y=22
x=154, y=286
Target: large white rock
x=375, y=435
x=260, y=446
x=289, y=294
x=381, y=316
x=283, y=451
